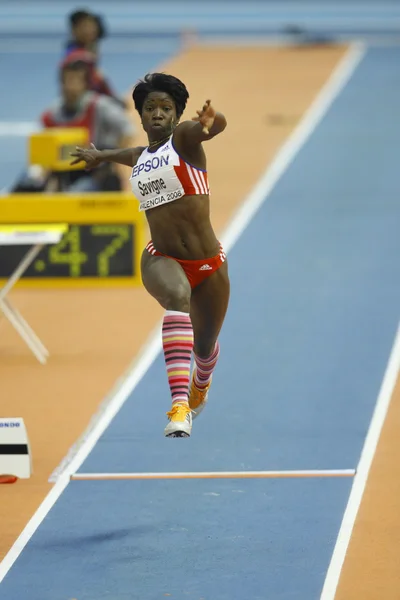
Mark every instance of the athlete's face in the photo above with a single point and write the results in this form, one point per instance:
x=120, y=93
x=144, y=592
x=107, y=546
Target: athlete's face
x=158, y=115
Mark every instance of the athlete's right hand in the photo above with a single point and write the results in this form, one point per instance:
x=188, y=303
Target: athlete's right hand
x=91, y=156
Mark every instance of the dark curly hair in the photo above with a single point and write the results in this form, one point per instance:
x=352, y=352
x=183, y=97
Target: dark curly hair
x=78, y=15
x=160, y=82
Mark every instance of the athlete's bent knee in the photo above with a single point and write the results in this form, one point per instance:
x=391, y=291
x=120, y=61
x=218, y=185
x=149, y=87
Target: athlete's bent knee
x=177, y=298
x=204, y=348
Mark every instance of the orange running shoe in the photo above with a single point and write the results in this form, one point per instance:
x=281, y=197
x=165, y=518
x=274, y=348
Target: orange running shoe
x=180, y=421
x=197, y=398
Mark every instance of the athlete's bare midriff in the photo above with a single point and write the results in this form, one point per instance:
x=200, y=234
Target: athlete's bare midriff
x=182, y=228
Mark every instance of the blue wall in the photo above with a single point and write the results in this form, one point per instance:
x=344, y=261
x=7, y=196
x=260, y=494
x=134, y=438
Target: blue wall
x=222, y=16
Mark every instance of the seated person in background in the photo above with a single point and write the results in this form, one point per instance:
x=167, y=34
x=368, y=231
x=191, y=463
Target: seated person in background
x=97, y=82
x=108, y=125
x=86, y=30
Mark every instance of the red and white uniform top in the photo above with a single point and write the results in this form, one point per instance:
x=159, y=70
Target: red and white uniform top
x=163, y=176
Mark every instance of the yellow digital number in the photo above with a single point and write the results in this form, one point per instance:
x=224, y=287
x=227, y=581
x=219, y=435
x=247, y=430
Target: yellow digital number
x=121, y=234
x=68, y=252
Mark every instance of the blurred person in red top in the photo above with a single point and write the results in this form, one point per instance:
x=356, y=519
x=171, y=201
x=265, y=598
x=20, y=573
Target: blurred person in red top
x=107, y=123
x=97, y=82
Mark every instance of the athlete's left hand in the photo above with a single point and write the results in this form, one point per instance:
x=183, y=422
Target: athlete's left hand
x=206, y=116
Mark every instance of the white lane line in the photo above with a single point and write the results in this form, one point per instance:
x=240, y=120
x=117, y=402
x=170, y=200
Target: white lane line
x=360, y=480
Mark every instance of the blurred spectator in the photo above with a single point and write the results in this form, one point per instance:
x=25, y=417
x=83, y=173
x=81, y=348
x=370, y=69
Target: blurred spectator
x=86, y=30
x=108, y=125
x=97, y=82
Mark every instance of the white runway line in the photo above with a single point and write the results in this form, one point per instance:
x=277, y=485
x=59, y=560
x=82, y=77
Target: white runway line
x=360, y=480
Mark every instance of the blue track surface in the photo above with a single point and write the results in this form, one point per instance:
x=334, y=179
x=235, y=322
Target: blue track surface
x=315, y=306
x=217, y=540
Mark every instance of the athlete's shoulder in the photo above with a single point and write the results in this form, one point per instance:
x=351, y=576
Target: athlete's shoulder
x=137, y=152
x=184, y=126
x=181, y=136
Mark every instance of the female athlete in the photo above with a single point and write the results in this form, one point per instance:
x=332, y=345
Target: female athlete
x=184, y=266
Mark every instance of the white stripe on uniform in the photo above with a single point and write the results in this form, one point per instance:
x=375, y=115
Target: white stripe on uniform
x=192, y=179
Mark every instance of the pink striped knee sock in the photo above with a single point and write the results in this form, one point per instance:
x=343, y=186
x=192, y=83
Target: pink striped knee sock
x=205, y=368
x=177, y=338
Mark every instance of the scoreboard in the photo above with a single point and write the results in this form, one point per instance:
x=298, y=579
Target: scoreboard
x=101, y=248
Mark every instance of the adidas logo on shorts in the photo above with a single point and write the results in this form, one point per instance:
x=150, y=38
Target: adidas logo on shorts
x=205, y=268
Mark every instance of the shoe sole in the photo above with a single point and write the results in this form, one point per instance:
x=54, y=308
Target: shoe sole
x=178, y=431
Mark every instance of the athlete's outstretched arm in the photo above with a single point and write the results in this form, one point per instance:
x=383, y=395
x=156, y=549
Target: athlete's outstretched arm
x=93, y=157
x=205, y=126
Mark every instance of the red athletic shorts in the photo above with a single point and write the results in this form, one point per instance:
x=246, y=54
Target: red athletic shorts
x=196, y=270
